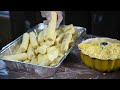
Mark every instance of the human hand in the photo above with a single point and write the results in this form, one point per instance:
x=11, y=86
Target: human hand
x=46, y=14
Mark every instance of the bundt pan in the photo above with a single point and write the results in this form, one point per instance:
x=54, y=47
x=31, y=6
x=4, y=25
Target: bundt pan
x=102, y=54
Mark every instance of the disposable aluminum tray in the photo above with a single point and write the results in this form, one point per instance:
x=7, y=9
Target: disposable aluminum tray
x=43, y=71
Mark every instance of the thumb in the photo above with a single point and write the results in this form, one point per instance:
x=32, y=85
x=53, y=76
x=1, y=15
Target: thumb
x=46, y=22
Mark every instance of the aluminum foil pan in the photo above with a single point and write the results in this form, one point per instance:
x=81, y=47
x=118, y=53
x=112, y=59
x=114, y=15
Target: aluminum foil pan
x=43, y=71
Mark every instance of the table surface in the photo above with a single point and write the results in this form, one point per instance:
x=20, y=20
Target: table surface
x=71, y=68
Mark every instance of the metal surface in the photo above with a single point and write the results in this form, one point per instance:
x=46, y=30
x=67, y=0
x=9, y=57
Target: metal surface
x=43, y=71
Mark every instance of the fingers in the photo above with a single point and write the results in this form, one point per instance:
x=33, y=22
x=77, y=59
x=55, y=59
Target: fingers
x=60, y=18
x=43, y=14
x=46, y=14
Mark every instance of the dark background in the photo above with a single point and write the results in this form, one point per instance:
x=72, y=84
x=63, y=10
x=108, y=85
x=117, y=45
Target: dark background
x=101, y=23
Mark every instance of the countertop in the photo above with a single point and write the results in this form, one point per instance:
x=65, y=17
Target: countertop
x=71, y=68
